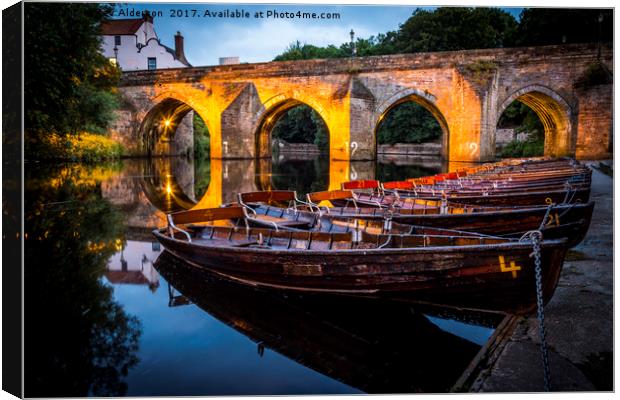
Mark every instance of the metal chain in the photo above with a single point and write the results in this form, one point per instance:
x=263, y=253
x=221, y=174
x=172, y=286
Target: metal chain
x=536, y=238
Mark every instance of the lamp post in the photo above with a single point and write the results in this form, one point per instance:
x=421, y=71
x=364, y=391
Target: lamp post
x=115, y=49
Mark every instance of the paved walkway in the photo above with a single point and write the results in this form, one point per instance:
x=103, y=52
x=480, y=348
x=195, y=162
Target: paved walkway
x=579, y=319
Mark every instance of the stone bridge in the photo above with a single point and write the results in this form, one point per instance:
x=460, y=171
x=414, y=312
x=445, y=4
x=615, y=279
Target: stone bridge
x=466, y=91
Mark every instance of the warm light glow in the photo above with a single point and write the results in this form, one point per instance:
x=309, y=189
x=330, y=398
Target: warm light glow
x=167, y=123
x=168, y=189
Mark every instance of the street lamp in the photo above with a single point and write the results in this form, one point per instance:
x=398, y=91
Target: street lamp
x=115, y=49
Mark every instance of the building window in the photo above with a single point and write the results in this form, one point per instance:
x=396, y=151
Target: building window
x=117, y=40
x=152, y=63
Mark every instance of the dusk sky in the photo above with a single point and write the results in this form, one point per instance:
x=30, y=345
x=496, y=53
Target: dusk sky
x=261, y=39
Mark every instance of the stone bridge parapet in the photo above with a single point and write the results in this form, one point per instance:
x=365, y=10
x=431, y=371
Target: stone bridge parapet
x=466, y=91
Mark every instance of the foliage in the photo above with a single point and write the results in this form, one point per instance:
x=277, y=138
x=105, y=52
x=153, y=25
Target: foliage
x=84, y=146
x=530, y=148
x=78, y=341
x=408, y=123
x=202, y=176
x=301, y=124
x=520, y=117
x=297, y=51
x=523, y=119
x=545, y=26
x=69, y=85
x=202, y=138
x=481, y=70
x=455, y=28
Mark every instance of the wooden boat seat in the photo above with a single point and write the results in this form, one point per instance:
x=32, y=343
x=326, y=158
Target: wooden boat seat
x=280, y=221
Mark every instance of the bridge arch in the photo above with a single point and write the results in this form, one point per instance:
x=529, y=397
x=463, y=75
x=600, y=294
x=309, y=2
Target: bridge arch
x=425, y=99
x=554, y=112
x=273, y=110
x=157, y=133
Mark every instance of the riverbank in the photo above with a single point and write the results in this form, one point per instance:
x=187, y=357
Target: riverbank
x=85, y=147
x=578, y=319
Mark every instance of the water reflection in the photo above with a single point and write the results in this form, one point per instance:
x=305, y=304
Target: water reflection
x=173, y=184
x=78, y=339
x=374, y=346
x=133, y=265
x=94, y=321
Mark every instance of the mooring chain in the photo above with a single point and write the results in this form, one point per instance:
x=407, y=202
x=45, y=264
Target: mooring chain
x=536, y=238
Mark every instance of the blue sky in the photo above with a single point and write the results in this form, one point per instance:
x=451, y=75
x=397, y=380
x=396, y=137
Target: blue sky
x=261, y=39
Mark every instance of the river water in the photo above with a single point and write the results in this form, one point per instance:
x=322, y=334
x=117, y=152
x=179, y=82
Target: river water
x=107, y=313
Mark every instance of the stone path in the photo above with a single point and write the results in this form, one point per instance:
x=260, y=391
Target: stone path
x=578, y=319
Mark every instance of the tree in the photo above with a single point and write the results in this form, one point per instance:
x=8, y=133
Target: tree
x=408, y=123
x=545, y=26
x=301, y=124
x=297, y=51
x=69, y=85
x=455, y=28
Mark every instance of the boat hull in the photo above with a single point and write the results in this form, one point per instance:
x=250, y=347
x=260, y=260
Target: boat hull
x=494, y=277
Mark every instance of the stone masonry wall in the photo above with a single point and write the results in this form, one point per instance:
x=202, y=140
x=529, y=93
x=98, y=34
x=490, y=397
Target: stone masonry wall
x=352, y=96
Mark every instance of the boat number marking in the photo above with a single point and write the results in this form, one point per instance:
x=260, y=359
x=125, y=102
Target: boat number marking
x=513, y=267
x=553, y=218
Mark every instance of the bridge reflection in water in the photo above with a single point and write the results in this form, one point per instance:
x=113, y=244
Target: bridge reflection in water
x=145, y=190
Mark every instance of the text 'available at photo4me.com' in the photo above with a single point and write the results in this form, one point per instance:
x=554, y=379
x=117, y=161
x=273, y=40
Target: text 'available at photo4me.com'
x=236, y=13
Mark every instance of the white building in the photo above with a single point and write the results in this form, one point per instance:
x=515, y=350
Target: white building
x=134, y=45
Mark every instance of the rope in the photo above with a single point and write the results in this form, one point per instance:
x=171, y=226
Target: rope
x=543, y=222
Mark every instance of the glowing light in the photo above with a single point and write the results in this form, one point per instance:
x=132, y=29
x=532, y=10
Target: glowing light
x=167, y=122
x=168, y=189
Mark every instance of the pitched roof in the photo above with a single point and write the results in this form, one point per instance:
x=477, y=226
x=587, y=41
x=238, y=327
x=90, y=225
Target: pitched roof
x=121, y=26
x=174, y=55
x=127, y=277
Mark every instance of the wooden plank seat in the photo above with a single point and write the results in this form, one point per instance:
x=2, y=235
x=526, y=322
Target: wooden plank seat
x=279, y=221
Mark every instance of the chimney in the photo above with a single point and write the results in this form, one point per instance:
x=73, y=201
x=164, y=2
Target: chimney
x=147, y=17
x=178, y=46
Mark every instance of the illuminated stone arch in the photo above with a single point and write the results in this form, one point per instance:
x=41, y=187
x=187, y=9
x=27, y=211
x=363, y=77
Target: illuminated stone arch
x=423, y=98
x=160, y=121
x=271, y=112
x=554, y=112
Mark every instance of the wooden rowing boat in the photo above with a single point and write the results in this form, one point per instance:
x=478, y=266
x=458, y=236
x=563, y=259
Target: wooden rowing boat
x=426, y=267
x=524, y=183
x=570, y=221
x=519, y=197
